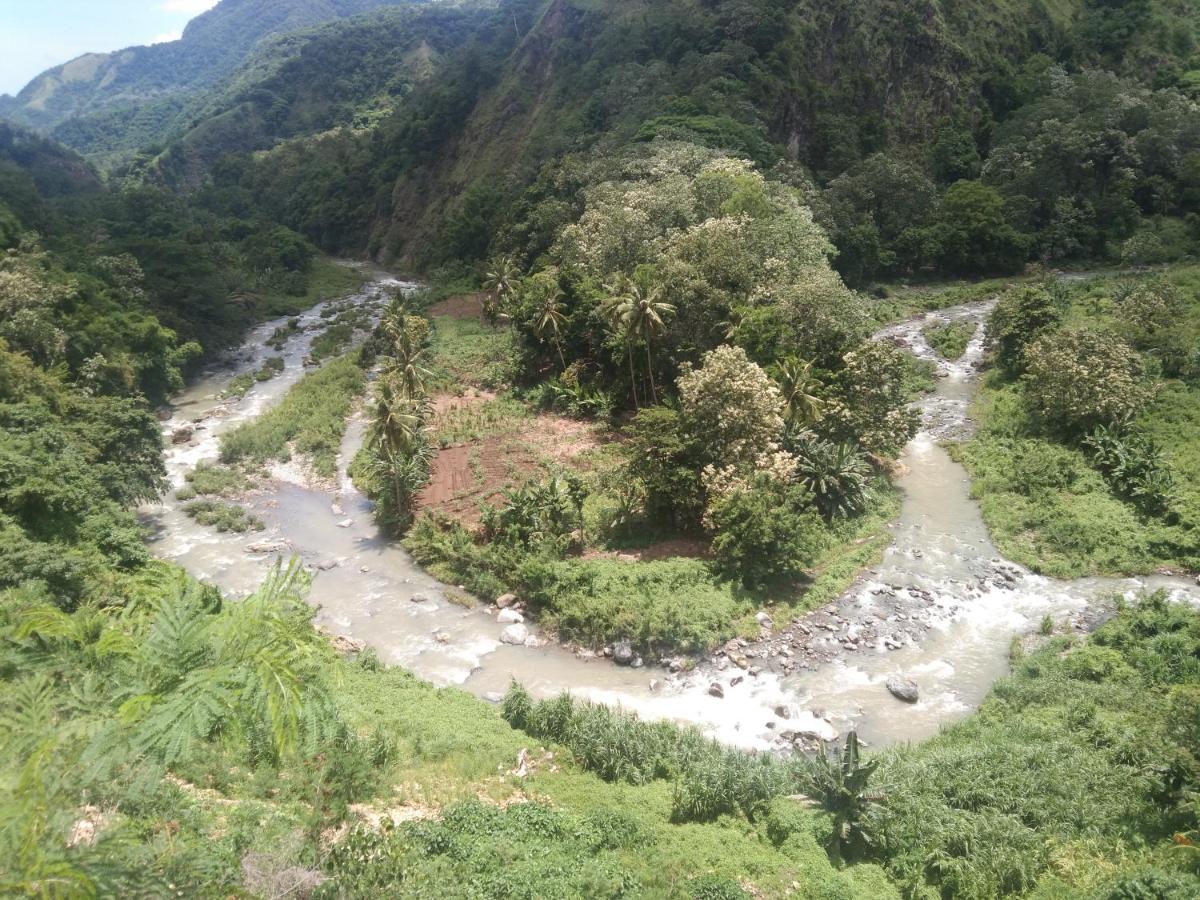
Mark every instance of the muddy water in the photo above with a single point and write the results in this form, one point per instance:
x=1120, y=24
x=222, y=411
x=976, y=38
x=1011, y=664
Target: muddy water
x=941, y=608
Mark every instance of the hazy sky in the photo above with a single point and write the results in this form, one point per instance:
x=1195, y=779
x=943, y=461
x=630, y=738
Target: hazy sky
x=38, y=34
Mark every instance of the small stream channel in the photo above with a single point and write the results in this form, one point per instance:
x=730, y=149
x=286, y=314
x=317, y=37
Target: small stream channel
x=941, y=608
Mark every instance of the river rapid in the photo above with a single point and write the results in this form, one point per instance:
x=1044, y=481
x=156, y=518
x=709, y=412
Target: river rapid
x=941, y=608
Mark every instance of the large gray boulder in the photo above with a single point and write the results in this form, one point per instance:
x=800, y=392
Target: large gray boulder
x=903, y=688
x=515, y=635
x=623, y=654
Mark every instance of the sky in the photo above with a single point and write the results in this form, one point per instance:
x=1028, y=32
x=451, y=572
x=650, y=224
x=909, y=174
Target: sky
x=36, y=35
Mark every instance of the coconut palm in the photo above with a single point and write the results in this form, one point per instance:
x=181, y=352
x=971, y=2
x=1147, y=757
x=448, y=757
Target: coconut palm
x=499, y=285
x=647, y=319
x=397, y=419
x=405, y=336
x=636, y=311
x=548, y=317
x=615, y=313
x=399, y=477
x=801, y=392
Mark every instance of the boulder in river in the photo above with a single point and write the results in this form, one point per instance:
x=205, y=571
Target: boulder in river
x=903, y=688
x=515, y=635
x=344, y=644
x=182, y=435
x=506, y=600
x=623, y=653
x=267, y=546
x=716, y=690
x=510, y=617
x=419, y=598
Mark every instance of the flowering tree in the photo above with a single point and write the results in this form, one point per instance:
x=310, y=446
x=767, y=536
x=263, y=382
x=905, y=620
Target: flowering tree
x=1080, y=378
x=733, y=406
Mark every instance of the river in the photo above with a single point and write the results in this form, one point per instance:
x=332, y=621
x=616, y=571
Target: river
x=941, y=608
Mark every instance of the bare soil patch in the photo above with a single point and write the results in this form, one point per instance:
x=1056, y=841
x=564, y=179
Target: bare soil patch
x=463, y=306
x=465, y=476
x=690, y=548
x=444, y=404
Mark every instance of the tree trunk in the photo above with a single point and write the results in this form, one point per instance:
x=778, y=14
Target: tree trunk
x=650, y=372
x=633, y=378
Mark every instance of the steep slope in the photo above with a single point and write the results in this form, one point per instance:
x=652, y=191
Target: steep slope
x=824, y=84
x=212, y=45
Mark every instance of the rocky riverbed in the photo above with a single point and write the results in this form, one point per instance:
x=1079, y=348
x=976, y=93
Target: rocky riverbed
x=939, y=611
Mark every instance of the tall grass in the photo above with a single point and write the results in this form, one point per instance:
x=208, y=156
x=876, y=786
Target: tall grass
x=310, y=420
x=710, y=780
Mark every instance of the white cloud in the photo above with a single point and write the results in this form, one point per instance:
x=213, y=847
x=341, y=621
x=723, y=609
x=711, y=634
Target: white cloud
x=192, y=7
x=167, y=37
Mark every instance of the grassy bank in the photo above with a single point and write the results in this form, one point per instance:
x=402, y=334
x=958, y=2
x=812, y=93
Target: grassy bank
x=326, y=279
x=309, y=421
x=673, y=604
x=1048, y=507
x=1075, y=779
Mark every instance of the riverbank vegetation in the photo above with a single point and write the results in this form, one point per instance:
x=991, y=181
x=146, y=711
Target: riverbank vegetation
x=748, y=416
x=168, y=740
x=309, y=421
x=1085, y=461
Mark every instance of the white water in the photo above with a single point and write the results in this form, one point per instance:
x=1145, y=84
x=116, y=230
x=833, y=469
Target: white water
x=941, y=608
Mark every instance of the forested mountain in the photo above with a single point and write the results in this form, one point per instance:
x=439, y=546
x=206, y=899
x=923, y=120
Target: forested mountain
x=111, y=85
x=885, y=105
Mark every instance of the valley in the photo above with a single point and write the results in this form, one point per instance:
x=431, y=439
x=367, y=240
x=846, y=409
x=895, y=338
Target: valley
x=698, y=449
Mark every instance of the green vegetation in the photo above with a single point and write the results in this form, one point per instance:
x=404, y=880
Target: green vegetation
x=309, y=421
x=1072, y=779
x=393, y=465
x=667, y=208
x=212, y=480
x=242, y=383
x=1086, y=465
x=223, y=516
x=950, y=339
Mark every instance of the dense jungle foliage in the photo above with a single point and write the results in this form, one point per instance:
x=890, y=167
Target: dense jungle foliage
x=682, y=221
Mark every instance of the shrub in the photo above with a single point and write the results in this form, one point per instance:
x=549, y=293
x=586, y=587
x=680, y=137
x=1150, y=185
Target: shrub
x=950, y=339
x=836, y=475
x=223, y=516
x=666, y=462
x=768, y=531
x=1020, y=317
x=1080, y=378
x=1133, y=464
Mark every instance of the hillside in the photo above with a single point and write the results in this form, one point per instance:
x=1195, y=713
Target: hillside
x=830, y=87
x=213, y=44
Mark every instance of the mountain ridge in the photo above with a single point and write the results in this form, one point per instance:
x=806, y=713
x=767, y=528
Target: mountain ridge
x=211, y=46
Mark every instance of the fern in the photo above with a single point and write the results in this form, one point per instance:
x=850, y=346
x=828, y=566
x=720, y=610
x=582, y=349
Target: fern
x=27, y=715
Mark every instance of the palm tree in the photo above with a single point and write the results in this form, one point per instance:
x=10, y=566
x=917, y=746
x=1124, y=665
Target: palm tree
x=405, y=335
x=499, y=283
x=549, y=317
x=801, y=392
x=398, y=418
x=647, y=318
x=615, y=310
